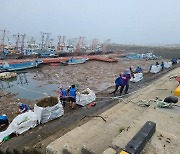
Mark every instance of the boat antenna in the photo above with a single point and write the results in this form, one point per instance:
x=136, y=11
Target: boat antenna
x=4, y=33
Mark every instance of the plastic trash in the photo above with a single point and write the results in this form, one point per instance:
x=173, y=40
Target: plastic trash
x=7, y=138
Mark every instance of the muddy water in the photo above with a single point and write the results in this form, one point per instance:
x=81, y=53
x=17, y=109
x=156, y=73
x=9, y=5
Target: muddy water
x=26, y=87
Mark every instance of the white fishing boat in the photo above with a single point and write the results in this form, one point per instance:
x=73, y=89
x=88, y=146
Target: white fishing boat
x=73, y=61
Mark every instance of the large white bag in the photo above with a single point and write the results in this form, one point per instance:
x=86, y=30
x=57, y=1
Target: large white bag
x=137, y=77
x=155, y=69
x=46, y=114
x=167, y=64
x=84, y=99
x=20, y=124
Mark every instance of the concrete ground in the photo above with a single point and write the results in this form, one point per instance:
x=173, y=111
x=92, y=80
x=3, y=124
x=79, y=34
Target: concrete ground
x=113, y=129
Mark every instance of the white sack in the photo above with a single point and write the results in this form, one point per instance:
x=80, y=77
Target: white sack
x=137, y=77
x=155, y=69
x=48, y=113
x=167, y=64
x=84, y=99
x=20, y=124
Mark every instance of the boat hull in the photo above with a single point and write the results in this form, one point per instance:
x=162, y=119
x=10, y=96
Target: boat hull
x=78, y=61
x=21, y=66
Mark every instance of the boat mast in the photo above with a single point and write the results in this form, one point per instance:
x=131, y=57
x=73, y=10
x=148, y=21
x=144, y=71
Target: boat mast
x=17, y=38
x=59, y=43
x=105, y=45
x=63, y=40
x=44, y=40
x=22, y=42
x=79, y=44
x=47, y=40
x=94, y=44
x=4, y=33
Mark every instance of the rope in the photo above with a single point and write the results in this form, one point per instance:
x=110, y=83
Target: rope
x=121, y=97
x=159, y=103
x=145, y=102
x=95, y=116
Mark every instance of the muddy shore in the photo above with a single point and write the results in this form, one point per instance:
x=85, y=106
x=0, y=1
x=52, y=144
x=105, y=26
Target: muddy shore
x=95, y=75
x=98, y=76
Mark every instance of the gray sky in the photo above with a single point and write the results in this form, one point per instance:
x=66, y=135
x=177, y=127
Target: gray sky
x=144, y=22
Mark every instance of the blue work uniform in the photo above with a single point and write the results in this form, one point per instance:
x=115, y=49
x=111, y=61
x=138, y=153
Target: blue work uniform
x=24, y=107
x=162, y=66
x=72, y=94
x=63, y=94
x=125, y=83
x=4, y=120
x=118, y=81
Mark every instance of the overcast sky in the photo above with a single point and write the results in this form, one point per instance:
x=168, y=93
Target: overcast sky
x=143, y=22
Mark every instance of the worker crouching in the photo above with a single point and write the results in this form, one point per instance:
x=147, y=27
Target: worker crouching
x=23, y=107
x=125, y=81
x=4, y=123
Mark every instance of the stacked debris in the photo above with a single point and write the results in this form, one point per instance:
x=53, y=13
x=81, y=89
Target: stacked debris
x=48, y=109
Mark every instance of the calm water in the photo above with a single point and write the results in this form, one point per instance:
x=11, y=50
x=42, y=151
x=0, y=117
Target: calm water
x=26, y=87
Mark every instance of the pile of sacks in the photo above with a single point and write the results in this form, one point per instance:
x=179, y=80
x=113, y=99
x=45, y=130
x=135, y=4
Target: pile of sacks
x=47, y=111
x=137, y=77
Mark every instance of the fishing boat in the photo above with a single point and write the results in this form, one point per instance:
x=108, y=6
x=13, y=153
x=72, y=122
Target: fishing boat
x=77, y=61
x=20, y=66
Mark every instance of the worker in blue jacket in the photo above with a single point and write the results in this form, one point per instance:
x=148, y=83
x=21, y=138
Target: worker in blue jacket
x=63, y=95
x=4, y=123
x=174, y=60
x=23, y=107
x=118, y=82
x=139, y=69
x=126, y=76
x=162, y=66
x=72, y=96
